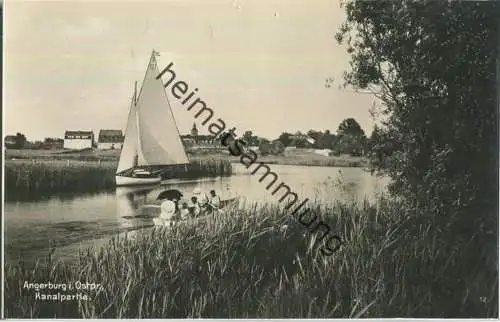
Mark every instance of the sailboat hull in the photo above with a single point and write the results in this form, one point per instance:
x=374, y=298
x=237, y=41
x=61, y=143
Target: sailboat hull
x=136, y=181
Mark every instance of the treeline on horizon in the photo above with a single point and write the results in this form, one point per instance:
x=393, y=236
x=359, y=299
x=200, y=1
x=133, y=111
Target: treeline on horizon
x=19, y=141
x=349, y=139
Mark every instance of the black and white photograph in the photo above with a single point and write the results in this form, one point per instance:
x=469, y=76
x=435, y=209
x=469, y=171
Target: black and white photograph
x=236, y=159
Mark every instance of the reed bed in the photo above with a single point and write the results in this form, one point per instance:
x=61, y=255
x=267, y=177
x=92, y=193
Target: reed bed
x=199, y=168
x=37, y=177
x=326, y=162
x=45, y=177
x=258, y=261
x=89, y=155
x=308, y=158
x=299, y=158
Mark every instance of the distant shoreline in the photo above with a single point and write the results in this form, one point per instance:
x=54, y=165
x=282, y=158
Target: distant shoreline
x=30, y=174
x=298, y=157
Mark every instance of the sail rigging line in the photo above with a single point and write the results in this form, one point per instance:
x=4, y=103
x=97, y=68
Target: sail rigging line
x=160, y=137
x=139, y=150
x=136, y=156
x=144, y=80
x=139, y=143
x=170, y=110
x=131, y=110
x=135, y=93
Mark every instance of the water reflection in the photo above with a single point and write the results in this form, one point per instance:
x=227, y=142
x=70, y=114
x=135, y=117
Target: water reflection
x=129, y=202
x=80, y=219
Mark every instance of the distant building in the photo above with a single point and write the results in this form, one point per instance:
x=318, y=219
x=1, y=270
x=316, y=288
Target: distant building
x=37, y=145
x=201, y=141
x=300, y=140
x=78, y=140
x=194, y=131
x=194, y=140
x=110, y=139
x=254, y=148
x=53, y=143
x=10, y=142
x=325, y=152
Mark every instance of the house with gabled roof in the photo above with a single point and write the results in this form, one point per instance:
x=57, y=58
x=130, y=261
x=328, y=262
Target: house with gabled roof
x=110, y=139
x=10, y=142
x=78, y=140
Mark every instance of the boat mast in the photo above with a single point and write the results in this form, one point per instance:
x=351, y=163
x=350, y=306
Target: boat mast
x=135, y=93
x=139, y=145
x=136, y=158
x=129, y=126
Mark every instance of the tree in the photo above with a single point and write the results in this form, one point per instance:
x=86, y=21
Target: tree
x=264, y=147
x=327, y=140
x=250, y=139
x=20, y=140
x=277, y=147
x=285, y=139
x=316, y=135
x=374, y=140
x=433, y=65
x=247, y=135
x=350, y=126
x=322, y=140
x=350, y=137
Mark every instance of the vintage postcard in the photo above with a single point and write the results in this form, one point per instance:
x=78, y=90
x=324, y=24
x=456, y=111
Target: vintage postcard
x=250, y=159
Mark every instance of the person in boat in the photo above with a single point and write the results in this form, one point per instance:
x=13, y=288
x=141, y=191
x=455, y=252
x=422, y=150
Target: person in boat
x=167, y=208
x=184, y=211
x=195, y=207
x=177, y=213
x=170, y=194
x=202, y=198
x=176, y=202
x=214, y=201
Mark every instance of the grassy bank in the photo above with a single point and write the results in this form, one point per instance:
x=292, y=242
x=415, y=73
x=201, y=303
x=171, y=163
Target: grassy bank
x=299, y=157
x=24, y=178
x=303, y=157
x=50, y=155
x=256, y=261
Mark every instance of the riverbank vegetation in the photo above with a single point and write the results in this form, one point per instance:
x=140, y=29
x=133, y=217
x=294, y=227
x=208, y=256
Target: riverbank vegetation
x=297, y=157
x=258, y=261
x=303, y=157
x=433, y=65
x=44, y=177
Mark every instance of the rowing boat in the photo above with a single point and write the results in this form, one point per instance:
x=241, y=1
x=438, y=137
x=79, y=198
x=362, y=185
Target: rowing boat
x=203, y=216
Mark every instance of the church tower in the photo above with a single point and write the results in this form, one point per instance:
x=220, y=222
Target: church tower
x=194, y=132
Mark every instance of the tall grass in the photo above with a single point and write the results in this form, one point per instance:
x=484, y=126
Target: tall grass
x=199, y=168
x=298, y=158
x=316, y=162
x=45, y=177
x=29, y=178
x=258, y=261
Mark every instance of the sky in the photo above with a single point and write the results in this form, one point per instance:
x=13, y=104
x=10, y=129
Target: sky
x=260, y=65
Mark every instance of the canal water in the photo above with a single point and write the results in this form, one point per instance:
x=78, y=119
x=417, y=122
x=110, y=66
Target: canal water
x=76, y=221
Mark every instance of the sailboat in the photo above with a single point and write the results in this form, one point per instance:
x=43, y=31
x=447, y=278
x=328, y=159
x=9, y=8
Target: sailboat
x=152, y=139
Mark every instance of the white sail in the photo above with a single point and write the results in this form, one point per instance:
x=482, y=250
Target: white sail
x=128, y=154
x=159, y=139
